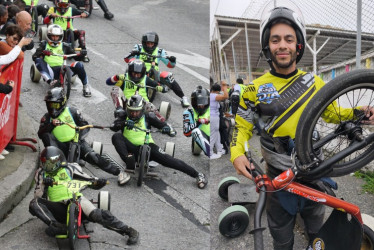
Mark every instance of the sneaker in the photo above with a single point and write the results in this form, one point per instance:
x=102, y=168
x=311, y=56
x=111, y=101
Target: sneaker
x=2, y=157
x=86, y=90
x=222, y=152
x=123, y=178
x=108, y=15
x=172, y=132
x=153, y=164
x=184, y=102
x=133, y=235
x=86, y=59
x=5, y=152
x=215, y=156
x=201, y=181
x=56, y=228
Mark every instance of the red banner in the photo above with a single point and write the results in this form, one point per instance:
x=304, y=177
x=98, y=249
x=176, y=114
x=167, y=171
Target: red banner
x=9, y=102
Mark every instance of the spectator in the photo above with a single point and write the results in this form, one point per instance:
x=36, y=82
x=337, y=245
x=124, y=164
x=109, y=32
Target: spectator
x=12, y=11
x=14, y=52
x=215, y=98
x=13, y=36
x=3, y=17
x=23, y=20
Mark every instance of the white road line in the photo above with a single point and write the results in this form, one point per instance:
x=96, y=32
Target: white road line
x=192, y=72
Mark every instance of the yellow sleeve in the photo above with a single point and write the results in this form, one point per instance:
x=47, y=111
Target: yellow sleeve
x=244, y=122
x=51, y=11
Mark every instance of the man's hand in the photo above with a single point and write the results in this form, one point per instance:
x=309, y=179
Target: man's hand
x=121, y=77
x=369, y=115
x=99, y=183
x=117, y=125
x=48, y=181
x=47, y=52
x=172, y=59
x=203, y=121
x=134, y=52
x=130, y=124
x=53, y=15
x=84, y=14
x=242, y=165
x=159, y=88
x=56, y=122
x=83, y=52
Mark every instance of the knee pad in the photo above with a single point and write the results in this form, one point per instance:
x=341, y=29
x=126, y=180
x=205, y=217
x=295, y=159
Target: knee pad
x=87, y=206
x=167, y=78
x=118, y=97
x=200, y=140
x=235, y=99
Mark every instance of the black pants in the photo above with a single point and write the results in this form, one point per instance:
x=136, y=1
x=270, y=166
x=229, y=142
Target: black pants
x=123, y=147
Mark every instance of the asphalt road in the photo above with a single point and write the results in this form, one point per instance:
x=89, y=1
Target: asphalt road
x=169, y=212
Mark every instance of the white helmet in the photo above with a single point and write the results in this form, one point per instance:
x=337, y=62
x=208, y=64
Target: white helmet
x=282, y=9
x=55, y=30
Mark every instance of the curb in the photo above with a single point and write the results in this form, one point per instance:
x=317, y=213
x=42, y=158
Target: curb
x=15, y=186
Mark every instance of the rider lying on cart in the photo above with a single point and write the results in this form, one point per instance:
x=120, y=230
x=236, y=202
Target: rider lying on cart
x=49, y=65
x=51, y=200
x=128, y=141
x=124, y=82
x=60, y=15
x=52, y=133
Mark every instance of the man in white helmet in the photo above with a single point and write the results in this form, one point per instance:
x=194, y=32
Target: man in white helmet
x=276, y=100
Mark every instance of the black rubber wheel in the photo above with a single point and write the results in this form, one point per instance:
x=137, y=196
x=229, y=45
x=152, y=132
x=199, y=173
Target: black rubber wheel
x=66, y=83
x=233, y=221
x=368, y=239
x=319, y=140
x=143, y=163
x=73, y=225
x=34, y=16
x=223, y=186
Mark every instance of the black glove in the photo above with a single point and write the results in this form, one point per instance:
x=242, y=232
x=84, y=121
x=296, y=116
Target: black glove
x=134, y=52
x=48, y=181
x=99, y=183
x=172, y=59
x=130, y=124
x=165, y=130
x=118, y=125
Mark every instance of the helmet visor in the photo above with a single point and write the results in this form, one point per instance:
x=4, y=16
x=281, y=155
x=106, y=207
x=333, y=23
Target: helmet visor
x=63, y=5
x=53, y=105
x=52, y=164
x=202, y=100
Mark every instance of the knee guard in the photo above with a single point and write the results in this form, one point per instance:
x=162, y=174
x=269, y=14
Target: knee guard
x=87, y=206
x=155, y=120
x=235, y=99
x=82, y=38
x=200, y=140
x=167, y=78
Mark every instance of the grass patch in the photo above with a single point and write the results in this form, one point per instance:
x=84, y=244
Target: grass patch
x=369, y=181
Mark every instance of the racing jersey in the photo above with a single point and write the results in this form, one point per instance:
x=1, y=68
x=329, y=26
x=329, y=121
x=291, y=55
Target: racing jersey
x=277, y=101
x=136, y=136
x=52, y=60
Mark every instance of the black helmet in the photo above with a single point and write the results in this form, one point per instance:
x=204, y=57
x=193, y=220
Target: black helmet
x=200, y=99
x=239, y=81
x=52, y=158
x=135, y=107
x=62, y=5
x=55, y=101
x=286, y=10
x=136, y=66
x=150, y=37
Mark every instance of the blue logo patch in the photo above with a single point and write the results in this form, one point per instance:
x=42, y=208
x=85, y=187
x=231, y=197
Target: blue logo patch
x=267, y=93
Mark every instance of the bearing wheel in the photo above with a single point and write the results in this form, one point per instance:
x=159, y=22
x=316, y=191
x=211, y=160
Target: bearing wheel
x=73, y=225
x=42, y=33
x=34, y=74
x=196, y=150
x=223, y=186
x=325, y=130
x=151, y=94
x=34, y=23
x=233, y=221
x=165, y=109
x=97, y=147
x=170, y=148
x=103, y=200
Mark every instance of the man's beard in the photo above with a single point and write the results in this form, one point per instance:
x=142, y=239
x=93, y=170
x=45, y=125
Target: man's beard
x=283, y=65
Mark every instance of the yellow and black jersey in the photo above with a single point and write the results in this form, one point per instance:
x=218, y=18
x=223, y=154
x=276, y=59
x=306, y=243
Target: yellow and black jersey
x=278, y=101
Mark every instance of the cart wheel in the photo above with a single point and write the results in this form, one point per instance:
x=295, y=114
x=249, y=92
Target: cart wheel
x=170, y=148
x=73, y=224
x=233, y=221
x=34, y=74
x=35, y=21
x=165, y=109
x=143, y=163
x=42, y=33
x=223, y=186
x=196, y=150
x=103, y=200
x=97, y=147
x=151, y=93
x=367, y=242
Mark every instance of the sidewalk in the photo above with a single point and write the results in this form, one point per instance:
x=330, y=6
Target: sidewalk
x=18, y=168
